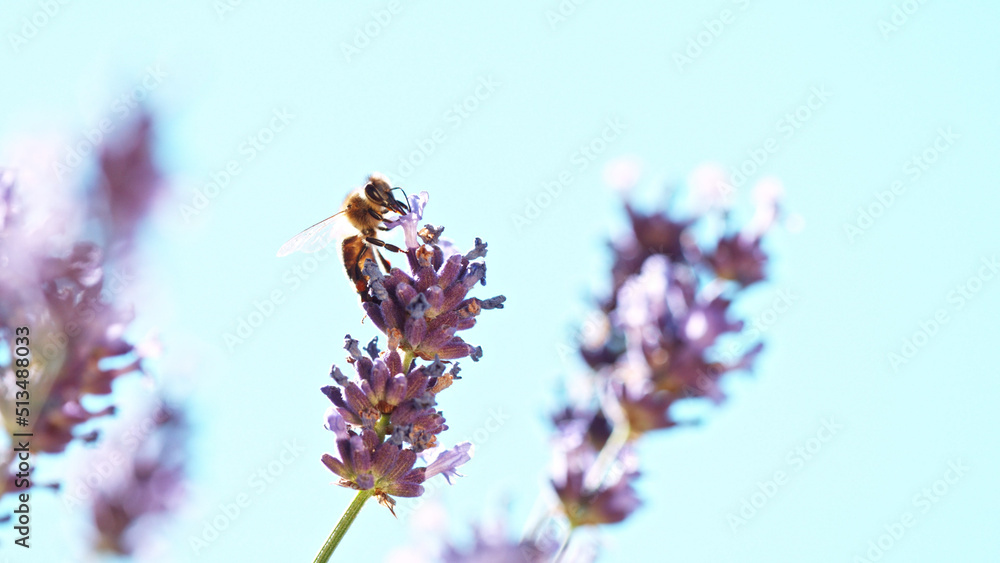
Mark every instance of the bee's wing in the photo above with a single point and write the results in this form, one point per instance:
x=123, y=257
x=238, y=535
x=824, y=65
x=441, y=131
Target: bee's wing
x=315, y=237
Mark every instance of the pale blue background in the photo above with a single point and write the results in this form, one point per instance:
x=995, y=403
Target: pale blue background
x=826, y=357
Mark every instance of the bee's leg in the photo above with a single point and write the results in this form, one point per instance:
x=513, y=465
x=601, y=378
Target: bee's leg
x=355, y=273
x=373, y=243
x=375, y=214
x=385, y=263
x=383, y=244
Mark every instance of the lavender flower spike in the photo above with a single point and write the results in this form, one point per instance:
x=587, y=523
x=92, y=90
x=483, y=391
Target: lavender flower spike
x=386, y=416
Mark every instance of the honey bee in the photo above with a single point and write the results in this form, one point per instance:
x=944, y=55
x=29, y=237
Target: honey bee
x=364, y=209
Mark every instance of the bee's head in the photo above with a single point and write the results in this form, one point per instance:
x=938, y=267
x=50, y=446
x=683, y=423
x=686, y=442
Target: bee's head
x=379, y=191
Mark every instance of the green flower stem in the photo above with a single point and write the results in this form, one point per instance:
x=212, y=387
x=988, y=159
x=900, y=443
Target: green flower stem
x=345, y=523
x=381, y=427
x=407, y=360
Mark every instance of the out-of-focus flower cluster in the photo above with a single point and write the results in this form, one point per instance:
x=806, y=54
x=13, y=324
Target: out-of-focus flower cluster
x=655, y=343
x=129, y=183
x=65, y=289
x=145, y=479
x=492, y=544
x=386, y=417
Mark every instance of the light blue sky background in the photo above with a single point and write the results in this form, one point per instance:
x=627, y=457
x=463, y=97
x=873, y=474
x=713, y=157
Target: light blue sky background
x=558, y=82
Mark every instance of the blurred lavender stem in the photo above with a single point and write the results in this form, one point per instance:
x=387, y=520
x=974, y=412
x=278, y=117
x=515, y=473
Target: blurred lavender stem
x=608, y=454
x=563, y=546
x=598, y=473
x=341, y=528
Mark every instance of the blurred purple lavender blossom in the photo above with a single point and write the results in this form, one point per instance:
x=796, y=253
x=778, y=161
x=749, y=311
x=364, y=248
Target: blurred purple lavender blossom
x=62, y=294
x=493, y=544
x=129, y=184
x=579, y=443
x=146, y=483
x=668, y=309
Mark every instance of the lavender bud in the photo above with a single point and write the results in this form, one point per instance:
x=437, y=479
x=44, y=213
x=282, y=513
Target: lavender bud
x=418, y=306
x=338, y=376
x=331, y=392
x=425, y=401
x=430, y=234
x=372, y=348
x=435, y=369
x=478, y=252
x=351, y=345
x=493, y=302
x=375, y=280
x=399, y=434
x=476, y=273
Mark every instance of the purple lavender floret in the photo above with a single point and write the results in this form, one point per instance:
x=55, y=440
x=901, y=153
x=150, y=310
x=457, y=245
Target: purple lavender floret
x=365, y=464
x=447, y=462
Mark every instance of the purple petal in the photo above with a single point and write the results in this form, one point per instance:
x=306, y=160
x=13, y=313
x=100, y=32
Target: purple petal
x=336, y=423
x=449, y=460
x=435, y=296
x=414, y=331
x=380, y=376
x=375, y=314
x=403, y=462
x=361, y=460
x=405, y=490
x=405, y=293
x=365, y=481
x=411, y=221
x=449, y=273
x=350, y=416
x=385, y=457
x=455, y=348
x=335, y=465
x=396, y=390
